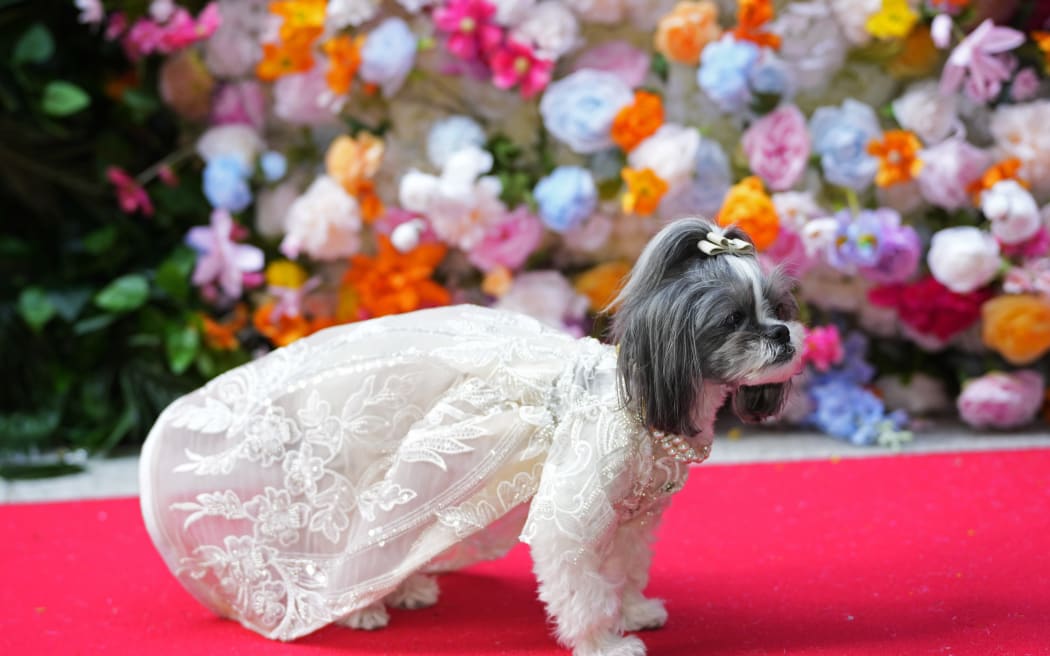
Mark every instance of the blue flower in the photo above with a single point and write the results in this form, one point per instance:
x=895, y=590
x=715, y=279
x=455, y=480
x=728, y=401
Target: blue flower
x=226, y=183
x=840, y=137
x=725, y=67
x=771, y=76
x=579, y=109
x=453, y=134
x=876, y=244
x=847, y=411
x=854, y=368
x=388, y=55
x=273, y=165
x=713, y=176
x=566, y=197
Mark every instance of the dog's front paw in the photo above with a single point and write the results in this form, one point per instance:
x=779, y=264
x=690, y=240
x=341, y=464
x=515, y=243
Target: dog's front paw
x=417, y=591
x=641, y=613
x=611, y=645
x=368, y=618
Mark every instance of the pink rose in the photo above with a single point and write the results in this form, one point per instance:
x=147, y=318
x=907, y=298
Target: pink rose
x=239, y=102
x=299, y=99
x=618, y=57
x=777, y=147
x=1001, y=400
x=823, y=347
x=508, y=242
x=947, y=169
x=788, y=251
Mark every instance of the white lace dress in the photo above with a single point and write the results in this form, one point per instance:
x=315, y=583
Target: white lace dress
x=298, y=488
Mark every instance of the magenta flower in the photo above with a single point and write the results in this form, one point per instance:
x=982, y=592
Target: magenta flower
x=221, y=261
x=181, y=30
x=823, y=347
x=130, y=196
x=472, y=31
x=980, y=61
x=515, y=63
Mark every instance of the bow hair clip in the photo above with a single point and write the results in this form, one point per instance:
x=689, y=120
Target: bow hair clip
x=716, y=243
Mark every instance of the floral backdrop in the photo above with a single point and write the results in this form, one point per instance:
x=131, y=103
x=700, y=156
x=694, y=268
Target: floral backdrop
x=191, y=185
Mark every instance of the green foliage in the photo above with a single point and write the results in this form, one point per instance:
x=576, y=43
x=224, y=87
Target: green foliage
x=97, y=314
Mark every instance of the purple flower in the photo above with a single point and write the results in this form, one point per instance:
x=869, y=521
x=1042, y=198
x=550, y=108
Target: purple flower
x=846, y=411
x=978, y=60
x=875, y=244
x=221, y=261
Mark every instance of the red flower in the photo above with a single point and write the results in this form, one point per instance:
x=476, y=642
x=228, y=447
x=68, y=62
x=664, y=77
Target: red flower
x=930, y=308
x=130, y=196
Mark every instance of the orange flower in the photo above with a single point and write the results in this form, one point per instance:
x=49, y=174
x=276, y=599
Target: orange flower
x=283, y=329
x=918, y=55
x=285, y=58
x=1042, y=40
x=1017, y=326
x=497, y=282
x=684, y=33
x=352, y=161
x=644, y=191
x=1007, y=169
x=344, y=58
x=394, y=282
x=898, y=157
x=638, y=120
x=602, y=283
x=751, y=16
x=748, y=207
x=222, y=336
x=300, y=16
x=369, y=201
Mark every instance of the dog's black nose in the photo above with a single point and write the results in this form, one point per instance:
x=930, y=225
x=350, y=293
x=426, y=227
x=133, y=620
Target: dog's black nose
x=779, y=333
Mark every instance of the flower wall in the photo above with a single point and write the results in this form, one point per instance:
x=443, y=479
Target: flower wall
x=333, y=161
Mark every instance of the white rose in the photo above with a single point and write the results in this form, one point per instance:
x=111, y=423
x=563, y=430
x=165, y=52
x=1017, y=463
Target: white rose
x=465, y=165
x=324, y=222
x=416, y=190
x=598, y=11
x=450, y=135
x=963, y=258
x=924, y=110
x=1021, y=131
x=670, y=152
x=797, y=208
x=550, y=29
x=234, y=140
x=341, y=13
x=1012, y=211
x=812, y=43
x=512, y=12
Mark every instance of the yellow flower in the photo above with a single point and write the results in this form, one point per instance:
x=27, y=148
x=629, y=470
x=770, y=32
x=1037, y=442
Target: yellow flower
x=285, y=273
x=894, y=21
x=602, y=283
x=644, y=191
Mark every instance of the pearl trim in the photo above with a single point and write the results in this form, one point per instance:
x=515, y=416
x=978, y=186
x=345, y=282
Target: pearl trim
x=680, y=449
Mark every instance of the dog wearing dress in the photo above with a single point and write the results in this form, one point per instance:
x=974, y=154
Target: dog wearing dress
x=332, y=478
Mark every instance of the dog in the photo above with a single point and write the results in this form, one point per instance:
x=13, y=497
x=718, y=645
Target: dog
x=332, y=478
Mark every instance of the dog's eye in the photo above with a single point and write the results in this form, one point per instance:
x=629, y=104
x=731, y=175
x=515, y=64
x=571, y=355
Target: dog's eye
x=734, y=320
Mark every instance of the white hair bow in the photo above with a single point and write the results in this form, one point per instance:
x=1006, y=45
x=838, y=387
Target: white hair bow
x=716, y=243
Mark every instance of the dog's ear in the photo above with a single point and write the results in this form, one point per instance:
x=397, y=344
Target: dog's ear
x=756, y=403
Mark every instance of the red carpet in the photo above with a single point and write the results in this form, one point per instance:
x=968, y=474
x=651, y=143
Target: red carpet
x=945, y=555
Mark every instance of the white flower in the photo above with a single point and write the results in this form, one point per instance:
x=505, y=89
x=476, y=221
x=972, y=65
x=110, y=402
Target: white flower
x=921, y=395
x=550, y=29
x=963, y=258
x=797, y=208
x=1021, y=131
x=812, y=44
x=852, y=17
x=459, y=205
x=324, y=222
x=341, y=13
x=670, y=152
x=924, y=110
x=512, y=12
x=1012, y=211
x=235, y=140
x=91, y=11
x=161, y=10
x=449, y=136
x=548, y=297
x=272, y=205
x=598, y=11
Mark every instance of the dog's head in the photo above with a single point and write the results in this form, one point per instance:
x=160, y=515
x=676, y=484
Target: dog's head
x=698, y=308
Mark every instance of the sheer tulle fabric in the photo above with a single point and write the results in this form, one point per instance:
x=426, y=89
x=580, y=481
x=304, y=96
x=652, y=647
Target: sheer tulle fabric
x=306, y=485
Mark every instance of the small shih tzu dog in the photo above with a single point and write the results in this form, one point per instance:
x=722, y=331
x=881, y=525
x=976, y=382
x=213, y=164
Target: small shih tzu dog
x=330, y=479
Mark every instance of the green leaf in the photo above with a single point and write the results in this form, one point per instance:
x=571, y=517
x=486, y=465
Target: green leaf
x=141, y=104
x=35, y=307
x=181, y=344
x=99, y=241
x=70, y=302
x=36, y=46
x=91, y=324
x=64, y=98
x=124, y=294
x=173, y=275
